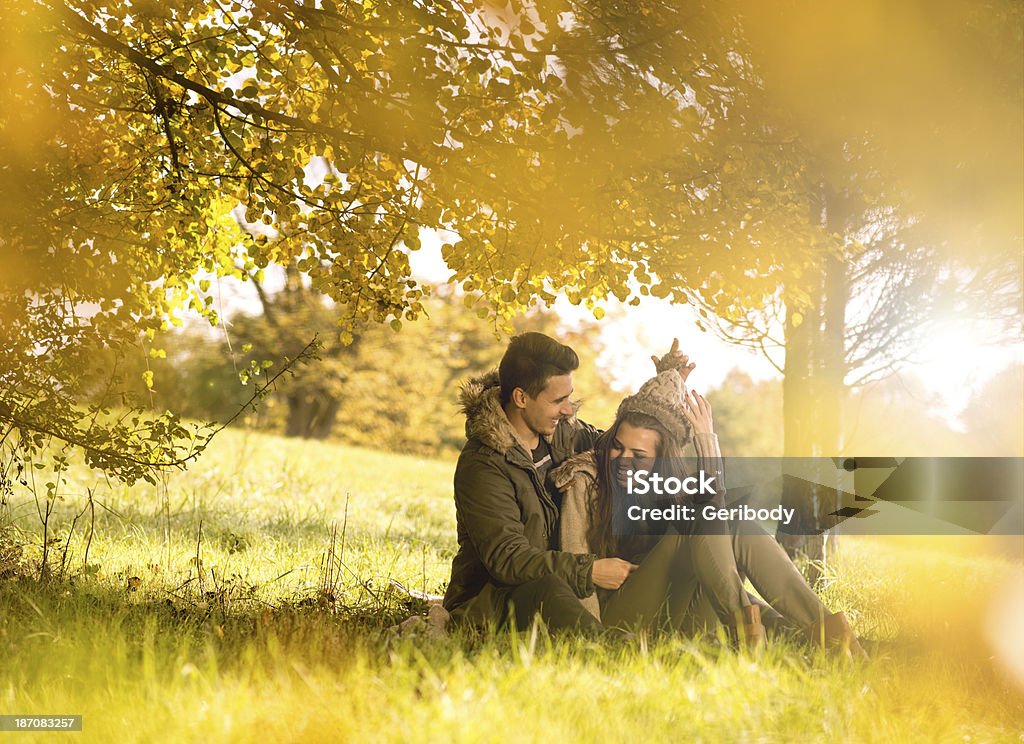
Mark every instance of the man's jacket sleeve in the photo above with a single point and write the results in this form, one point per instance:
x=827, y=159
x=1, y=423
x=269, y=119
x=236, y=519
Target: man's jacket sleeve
x=586, y=436
x=485, y=499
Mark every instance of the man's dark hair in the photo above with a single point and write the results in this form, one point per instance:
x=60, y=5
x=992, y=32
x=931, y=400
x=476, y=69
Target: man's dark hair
x=530, y=360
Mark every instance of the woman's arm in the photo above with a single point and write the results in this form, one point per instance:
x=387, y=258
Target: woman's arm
x=709, y=455
x=607, y=573
x=575, y=517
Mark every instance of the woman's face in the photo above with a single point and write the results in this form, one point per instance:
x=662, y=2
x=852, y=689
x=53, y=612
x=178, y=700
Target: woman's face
x=634, y=448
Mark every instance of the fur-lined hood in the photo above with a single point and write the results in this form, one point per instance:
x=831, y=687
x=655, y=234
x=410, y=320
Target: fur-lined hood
x=480, y=397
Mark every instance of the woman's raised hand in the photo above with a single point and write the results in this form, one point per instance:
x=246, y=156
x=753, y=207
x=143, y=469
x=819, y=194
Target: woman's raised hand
x=698, y=412
x=674, y=359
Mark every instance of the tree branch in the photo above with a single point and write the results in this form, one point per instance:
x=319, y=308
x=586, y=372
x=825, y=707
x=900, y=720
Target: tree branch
x=215, y=97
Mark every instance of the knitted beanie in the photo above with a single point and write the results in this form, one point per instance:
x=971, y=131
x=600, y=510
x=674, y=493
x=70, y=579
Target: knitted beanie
x=661, y=397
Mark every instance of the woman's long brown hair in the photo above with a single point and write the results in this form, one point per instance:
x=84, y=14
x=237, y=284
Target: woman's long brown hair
x=669, y=462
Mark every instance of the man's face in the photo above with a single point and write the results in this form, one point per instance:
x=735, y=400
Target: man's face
x=551, y=405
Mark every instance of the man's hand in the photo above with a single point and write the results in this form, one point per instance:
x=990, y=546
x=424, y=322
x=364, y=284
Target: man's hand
x=610, y=573
x=674, y=359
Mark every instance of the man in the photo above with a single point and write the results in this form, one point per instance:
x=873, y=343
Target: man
x=520, y=423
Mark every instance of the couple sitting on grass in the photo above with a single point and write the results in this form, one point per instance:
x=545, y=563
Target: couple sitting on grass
x=537, y=531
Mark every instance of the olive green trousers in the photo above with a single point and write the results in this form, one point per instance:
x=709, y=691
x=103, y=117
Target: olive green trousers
x=694, y=582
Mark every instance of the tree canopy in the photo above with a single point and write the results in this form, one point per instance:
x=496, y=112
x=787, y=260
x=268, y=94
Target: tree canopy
x=585, y=148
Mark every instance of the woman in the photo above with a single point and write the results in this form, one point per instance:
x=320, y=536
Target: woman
x=687, y=581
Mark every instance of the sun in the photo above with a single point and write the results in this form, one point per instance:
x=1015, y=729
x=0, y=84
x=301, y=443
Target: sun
x=959, y=359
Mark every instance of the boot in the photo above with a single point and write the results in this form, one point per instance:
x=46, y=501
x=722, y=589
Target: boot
x=837, y=637
x=747, y=631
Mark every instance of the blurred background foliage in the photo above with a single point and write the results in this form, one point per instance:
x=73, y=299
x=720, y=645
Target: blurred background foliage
x=388, y=390
x=397, y=391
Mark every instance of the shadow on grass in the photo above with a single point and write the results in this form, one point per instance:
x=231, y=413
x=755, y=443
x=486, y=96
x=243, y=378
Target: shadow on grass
x=42, y=621
x=317, y=628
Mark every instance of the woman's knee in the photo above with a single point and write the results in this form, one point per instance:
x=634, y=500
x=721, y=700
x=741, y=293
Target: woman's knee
x=717, y=547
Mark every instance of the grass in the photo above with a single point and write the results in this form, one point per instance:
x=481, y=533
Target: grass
x=248, y=599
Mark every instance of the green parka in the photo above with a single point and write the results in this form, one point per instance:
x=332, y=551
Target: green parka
x=507, y=522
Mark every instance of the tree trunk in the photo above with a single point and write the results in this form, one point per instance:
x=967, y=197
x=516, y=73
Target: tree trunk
x=800, y=404
x=311, y=414
x=323, y=423
x=813, y=390
x=797, y=395
x=830, y=364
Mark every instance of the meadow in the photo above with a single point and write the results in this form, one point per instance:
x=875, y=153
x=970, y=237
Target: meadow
x=249, y=599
